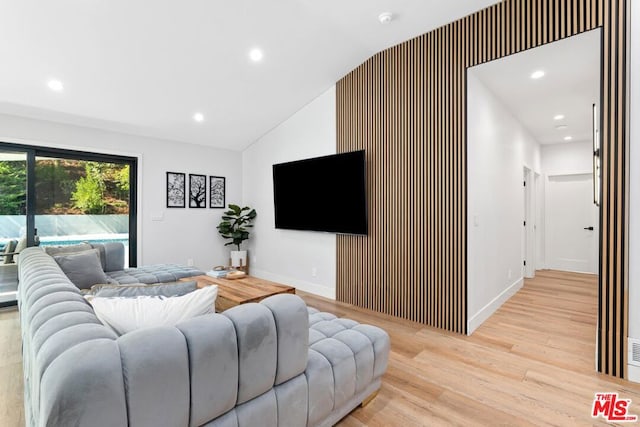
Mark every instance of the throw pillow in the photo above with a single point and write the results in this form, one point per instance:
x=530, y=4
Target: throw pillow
x=124, y=315
x=171, y=289
x=82, y=268
x=101, y=252
x=67, y=249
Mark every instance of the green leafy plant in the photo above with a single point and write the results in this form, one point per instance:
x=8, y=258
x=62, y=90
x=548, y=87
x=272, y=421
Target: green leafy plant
x=89, y=194
x=122, y=179
x=235, y=223
x=13, y=187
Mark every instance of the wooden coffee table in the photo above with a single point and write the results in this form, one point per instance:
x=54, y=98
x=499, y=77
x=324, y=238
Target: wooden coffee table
x=240, y=291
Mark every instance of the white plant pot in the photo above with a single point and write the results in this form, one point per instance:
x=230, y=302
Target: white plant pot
x=238, y=258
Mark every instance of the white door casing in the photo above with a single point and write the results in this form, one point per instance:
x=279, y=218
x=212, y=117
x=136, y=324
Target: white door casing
x=539, y=222
x=529, y=225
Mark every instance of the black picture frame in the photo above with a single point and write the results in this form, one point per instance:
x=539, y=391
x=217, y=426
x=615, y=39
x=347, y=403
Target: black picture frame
x=197, y=191
x=217, y=190
x=176, y=189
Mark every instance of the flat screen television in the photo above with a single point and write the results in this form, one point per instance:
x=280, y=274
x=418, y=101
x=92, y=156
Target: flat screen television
x=322, y=194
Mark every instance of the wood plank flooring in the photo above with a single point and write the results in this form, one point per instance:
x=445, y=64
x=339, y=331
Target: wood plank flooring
x=8, y=282
x=11, y=403
x=531, y=363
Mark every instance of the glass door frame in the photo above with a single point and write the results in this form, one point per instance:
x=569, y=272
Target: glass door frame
x=29, y=204
x=33, y=151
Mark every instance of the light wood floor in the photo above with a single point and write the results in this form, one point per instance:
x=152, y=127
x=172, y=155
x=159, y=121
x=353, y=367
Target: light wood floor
x=531, y=363
x=8, y=282
x=11, y=404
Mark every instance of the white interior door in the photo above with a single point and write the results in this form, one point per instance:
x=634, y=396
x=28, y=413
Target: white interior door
x=572, y=224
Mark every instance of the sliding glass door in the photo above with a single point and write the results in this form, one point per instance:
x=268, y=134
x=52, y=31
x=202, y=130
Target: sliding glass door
x=13, y=219
x=82, y=201
x=62, y=197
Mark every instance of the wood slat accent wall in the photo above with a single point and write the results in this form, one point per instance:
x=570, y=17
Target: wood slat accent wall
x=407, y=107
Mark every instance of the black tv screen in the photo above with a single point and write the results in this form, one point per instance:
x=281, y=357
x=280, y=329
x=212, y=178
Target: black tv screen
x=322, y=194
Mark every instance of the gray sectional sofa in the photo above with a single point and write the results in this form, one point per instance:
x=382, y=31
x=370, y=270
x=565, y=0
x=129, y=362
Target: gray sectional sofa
x=111, y=257
x=277, y=363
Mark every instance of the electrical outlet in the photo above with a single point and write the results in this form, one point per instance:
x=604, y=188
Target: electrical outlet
x=510, y=274
x=190, y=262
x=314, y=272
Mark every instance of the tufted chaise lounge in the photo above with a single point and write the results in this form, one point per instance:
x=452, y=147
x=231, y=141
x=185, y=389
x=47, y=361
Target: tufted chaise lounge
x=155, y=273
x=112, y=259
x=277, y=363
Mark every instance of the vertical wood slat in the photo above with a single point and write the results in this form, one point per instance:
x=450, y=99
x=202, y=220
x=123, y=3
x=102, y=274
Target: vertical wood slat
x=406, y=106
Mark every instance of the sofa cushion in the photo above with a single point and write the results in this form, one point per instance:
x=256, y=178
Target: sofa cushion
x=111, y=255
x=67, y=249
x=292, y=397
x=171, y=289
x=127, y=314
x=260, y=411
x=155, y=367
x=101, y=253
x=292, y=323
x=82, y=268
x=84, y=387
x=257, y=349
x=320, y=380
x=213, y=360
x=153, y=274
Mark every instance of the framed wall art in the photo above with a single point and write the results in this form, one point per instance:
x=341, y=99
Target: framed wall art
x=216, y=192
x=175, y=190
x=197, y=191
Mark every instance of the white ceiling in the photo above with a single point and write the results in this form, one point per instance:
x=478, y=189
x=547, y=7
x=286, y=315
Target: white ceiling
x=570, y=86
x=146, y=66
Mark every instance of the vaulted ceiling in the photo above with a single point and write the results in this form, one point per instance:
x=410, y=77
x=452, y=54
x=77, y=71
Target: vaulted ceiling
x=147, y=67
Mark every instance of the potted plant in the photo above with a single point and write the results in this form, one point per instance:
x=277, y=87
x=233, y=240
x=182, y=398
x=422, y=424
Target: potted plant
x=233, y=226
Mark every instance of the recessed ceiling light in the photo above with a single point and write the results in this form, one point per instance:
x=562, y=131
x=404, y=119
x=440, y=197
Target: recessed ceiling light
x=385, y=17
x=558, y=117
x=256, y=55
x=537, y=74
x=55, y=85
x=198, y=117
x=568, y=138
x=561, y=127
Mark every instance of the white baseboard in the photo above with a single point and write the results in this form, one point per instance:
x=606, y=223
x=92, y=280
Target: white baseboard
x=633, y=373
x=313, y=288
x=478, y=319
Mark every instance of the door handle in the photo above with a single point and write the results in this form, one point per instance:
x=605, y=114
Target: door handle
x=589, y=228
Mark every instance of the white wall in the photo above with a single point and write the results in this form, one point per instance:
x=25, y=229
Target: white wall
x=498, y=149
x=567, y=158
x=180, y=234
x=306, y=260
x=634, y=185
